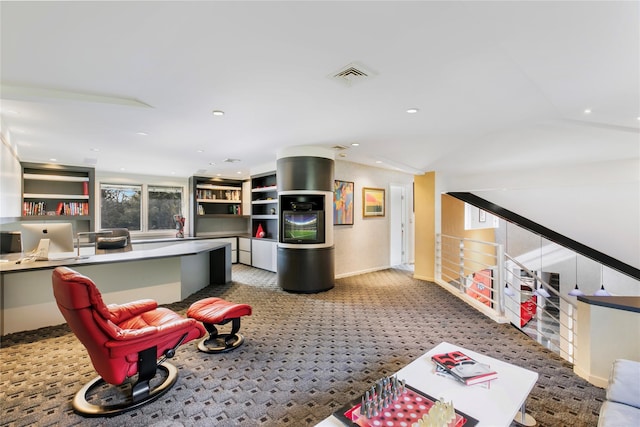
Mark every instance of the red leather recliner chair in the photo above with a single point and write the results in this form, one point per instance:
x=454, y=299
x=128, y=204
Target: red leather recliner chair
x=123, y=341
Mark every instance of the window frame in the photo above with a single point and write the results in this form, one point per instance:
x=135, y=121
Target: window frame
x=144, y=205
x=147, y=198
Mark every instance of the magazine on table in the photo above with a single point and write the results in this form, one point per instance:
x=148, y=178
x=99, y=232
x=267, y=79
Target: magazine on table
x=464, y=368
x=442, y=372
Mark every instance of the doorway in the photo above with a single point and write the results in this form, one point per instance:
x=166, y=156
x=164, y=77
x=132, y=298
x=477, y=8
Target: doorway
x=397, y=225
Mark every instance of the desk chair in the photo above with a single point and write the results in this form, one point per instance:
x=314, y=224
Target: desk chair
x=118, y=241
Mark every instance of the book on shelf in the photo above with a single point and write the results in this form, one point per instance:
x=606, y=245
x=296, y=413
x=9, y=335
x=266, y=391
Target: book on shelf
x=463, y=368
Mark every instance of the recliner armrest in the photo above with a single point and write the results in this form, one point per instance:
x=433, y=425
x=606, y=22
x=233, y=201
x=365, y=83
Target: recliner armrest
x=133, y=341
x=122, y=312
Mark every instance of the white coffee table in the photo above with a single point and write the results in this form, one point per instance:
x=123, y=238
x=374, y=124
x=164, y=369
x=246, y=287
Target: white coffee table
x=498, y=404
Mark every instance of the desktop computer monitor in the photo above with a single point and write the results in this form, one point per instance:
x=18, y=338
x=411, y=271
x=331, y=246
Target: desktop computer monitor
x=59, y=234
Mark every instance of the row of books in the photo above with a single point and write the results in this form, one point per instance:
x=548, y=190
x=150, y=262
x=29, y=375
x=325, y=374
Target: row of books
x=68, y=208
x=463, y=368
x=218, y=194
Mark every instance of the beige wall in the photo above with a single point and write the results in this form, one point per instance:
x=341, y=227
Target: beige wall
x=453, y=220
x=365, y=245
x=425, y=227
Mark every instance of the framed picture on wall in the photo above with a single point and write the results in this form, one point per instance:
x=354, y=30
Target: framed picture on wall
x=342, y=202
x=372, y=202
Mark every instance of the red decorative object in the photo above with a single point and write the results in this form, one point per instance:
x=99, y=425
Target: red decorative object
x=528, y=310
x=179, y=220
x=259, y=232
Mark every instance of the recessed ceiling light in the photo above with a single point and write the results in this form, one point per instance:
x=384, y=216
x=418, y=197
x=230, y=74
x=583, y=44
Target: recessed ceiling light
x=212, y=163
x=142, y=133
x=412, y=110
x=218, y=174
x=121, y=169
x=200, y=151
x=342, y=155
x=239, y=172
x=355, y=144
x=230, y=160
x=95, y=149
x=587, y=111
x=378, y=161
x=217, y=113
x=53, y=160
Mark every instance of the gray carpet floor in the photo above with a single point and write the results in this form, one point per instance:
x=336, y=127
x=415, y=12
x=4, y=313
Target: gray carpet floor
x=304, y=357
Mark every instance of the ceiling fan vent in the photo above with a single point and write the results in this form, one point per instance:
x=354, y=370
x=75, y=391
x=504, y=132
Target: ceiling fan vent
x=352, y=74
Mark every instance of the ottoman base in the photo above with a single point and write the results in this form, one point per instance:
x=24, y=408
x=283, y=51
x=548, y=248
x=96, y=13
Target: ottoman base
x=221, y=343
x=216, y=311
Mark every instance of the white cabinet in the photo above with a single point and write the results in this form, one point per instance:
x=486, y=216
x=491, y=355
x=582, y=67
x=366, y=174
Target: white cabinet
x=244, y=250
x=264, y=254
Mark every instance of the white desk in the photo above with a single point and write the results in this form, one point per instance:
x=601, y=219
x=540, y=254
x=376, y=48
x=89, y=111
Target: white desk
x=165, y=274
x=493, y=406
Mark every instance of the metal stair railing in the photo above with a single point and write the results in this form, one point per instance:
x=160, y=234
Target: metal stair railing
x=484, y=276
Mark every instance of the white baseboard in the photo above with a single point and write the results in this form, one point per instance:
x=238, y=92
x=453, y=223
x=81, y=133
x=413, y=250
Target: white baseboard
x=355, y=273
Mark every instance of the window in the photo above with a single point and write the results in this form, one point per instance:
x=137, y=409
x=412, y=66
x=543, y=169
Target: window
x=121, y=206
x=139, y=207
x=163, y=204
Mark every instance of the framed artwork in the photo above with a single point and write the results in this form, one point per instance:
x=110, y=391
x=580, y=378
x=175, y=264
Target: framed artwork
x=342, y=202
x=372, y=202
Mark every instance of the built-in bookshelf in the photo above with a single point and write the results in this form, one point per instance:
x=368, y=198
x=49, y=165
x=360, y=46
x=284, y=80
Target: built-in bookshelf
x=216, y=206
x=60, y=193
x=264, y=205
x=264, y=216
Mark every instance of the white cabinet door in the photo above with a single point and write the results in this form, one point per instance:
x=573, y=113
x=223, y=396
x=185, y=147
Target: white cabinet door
x=244, y=244
x=244, y=250
x=264, y=254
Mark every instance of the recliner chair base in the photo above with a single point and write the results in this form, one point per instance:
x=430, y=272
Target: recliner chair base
x=82, y=406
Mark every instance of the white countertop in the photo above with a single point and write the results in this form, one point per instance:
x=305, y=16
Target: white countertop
x=190, y=247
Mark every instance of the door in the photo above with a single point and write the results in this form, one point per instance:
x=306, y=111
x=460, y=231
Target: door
x=397, y=214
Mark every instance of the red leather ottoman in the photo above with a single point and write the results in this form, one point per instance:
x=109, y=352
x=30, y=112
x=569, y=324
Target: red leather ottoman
x=217, y=311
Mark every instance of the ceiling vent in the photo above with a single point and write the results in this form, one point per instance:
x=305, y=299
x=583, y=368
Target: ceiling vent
x=352, y=74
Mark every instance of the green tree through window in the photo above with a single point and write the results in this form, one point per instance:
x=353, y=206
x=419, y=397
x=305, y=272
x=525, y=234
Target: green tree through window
x=121, y=206
x=164, y=203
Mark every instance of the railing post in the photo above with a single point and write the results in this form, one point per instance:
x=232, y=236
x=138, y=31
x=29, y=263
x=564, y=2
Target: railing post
x=500, y=278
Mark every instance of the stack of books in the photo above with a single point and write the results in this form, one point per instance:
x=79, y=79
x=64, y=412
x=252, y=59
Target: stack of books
x=463, y=368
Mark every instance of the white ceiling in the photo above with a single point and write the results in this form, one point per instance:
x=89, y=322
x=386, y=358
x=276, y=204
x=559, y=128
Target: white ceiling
x=499, y=85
